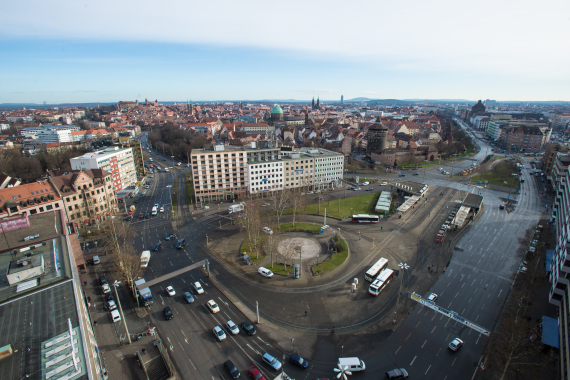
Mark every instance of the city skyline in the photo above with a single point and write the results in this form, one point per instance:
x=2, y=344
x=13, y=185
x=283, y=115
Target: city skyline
x=107, y=52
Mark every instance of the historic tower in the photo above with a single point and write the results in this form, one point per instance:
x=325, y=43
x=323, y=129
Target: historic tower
x=377, y=139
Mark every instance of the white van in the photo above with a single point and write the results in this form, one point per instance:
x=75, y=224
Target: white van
x=352, y=364
x=96, y=260
x=115, y=316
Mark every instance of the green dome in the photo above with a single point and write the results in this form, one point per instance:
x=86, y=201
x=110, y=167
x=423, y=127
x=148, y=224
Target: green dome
x=276, y=109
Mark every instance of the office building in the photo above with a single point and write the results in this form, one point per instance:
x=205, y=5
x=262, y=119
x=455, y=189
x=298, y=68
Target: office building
x=118, y=161
x=328, y=166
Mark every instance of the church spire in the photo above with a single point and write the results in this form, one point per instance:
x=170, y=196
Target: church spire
x=313, y=105
x=318, y=103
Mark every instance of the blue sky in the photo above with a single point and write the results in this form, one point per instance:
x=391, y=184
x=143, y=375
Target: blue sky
x=63, y=51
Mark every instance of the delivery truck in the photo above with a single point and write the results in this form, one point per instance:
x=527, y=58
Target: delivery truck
x=235, y=208
x=145, y=258
x=145, y=296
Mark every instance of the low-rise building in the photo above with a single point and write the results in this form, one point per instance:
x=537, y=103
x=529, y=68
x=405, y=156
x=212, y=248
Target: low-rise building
x=31, y=198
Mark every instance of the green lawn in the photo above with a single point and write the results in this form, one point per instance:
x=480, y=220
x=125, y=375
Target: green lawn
x=501, y=173
x=336, y=260
x=362, y=204
x=280, y=268
x=252, y=255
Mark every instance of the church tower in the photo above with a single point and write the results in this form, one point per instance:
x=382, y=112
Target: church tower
x=313, y=105
x=318, y=103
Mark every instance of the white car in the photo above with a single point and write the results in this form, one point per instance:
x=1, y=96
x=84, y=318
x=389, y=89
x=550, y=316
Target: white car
x=219, y=333
x=232, y=327
x=268, y=230
x=265, y=272
x=213, y=306
x=179, y=164
x=111, y=305
x=455, y=344
x=147, y=187
x=383, y=183
x=366, y=183
x=432, y=297
x=106, y=288
x=198, y=287
x=162, y=209
x=170, y=290
x=440, y=169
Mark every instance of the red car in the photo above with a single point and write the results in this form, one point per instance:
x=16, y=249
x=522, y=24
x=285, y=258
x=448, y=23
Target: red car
x=141, y=215
x=255, y=374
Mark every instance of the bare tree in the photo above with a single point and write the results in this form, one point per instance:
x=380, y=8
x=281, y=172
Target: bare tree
x=298, y=202
x=250, y=222
x=279, y=202
x=128, y=263
x=288, y=249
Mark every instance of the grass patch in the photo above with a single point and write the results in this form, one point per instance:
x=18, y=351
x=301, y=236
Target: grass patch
x=501, y=173
x=252, y=255
x=280, y=268
x=300, y=227
x=189, y=188
x=335, y=260
x=362, y=204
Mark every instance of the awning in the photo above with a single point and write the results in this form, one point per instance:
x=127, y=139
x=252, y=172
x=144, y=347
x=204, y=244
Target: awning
x=550, y=332
x=549, y=256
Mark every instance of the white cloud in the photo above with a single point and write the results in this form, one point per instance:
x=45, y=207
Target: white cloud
x=511, y=37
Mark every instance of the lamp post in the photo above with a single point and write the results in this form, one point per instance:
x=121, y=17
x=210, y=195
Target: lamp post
x=403, y=267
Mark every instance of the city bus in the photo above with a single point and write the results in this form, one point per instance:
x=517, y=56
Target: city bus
x=375, y=269
x=363, y=218
x=381, y=281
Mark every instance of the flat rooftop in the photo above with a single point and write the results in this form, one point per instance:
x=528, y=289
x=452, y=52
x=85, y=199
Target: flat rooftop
x=37, y=328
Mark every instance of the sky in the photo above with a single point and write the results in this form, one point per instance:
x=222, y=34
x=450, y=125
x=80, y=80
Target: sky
x=63, y=51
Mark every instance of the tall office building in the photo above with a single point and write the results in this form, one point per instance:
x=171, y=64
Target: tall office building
x=342, y=99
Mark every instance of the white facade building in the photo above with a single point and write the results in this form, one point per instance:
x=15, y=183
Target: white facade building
x=328, y=166
x=119, y=162
x=264, y=176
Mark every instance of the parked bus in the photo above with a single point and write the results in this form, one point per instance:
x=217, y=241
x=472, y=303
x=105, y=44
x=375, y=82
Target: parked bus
x=363, y=218
x=381, y=281
x=375, y=269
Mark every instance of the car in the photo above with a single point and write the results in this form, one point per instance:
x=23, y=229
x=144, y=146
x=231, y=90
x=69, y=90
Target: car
x=170, y=290
x=168, y=237
x=369, y=189
x=147, y=215
x=213, y=306
x=268, y=230
x=162, y=209
x=128, y=218
x=396, y=374
x=232, y=369
x=106, y=288
x=383, y=183
x=265, y=272
x=432, y=297
x=232, y=327
x=181, y=243
x=157, y=247
x=198, y=287
x=188, y=297
x=440, y=169
x=247, y=328
x=416, y=174
x=265, y=205
x=522, y=269
x=271, y=361
x=298, y=361
x=455, y=344
x=168, y=313
x=156, y=205
x=111, y=304
x=141, y=215
x=147, y=187
x=137, y=200
x=102, y=281
x=402, y=175
x=365, y=183
x=254, y=373
x=219, y=333
x=179, y=164
x=351, y=188
x=311, y=192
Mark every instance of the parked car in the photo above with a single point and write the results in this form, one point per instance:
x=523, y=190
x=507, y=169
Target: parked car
x=232, y=369
x=501, y=207
x=219, y=333
x=248, y=328
x=298, y=361
x=232, y=327
x=198, y=287
x=455, y=344
x=365, y=183
x=254, y=373
x=416, y=174
x=265, y=272
x=402, y=175
x=188, y=297
x=383, y=183
x=147, y=187
x=213, y=306
x=106, y=288
x=369, y=189
x=271, y=361
x=102, y=281
x=170, y=290
x=268, y=230
x=168, y=313
x=128, y=218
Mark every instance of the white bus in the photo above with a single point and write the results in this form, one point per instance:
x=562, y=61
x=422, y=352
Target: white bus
x=362, y=218
x=375, y=269
x=154, y=211
x=381, y=281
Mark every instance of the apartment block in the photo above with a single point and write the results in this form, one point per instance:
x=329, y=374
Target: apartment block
x=559, y=294
x=118, y=161
x=265, y=177
x=88, y=195
x=137, y=155
x=299, y=170
x=550, y=155
x=328, y=166
x=523, y=139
